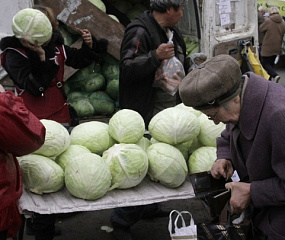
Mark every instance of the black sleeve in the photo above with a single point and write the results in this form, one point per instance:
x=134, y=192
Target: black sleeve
x=81, y=58
x=29, y=73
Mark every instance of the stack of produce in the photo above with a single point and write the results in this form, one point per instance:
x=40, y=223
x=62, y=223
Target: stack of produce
x=94, y=90
x=128, y=162
x=61, y=161
x=202, y=150
x=39, y=171
x=172, y=131
x=97, y=157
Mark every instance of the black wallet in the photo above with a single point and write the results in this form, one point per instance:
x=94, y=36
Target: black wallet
x=210, y=190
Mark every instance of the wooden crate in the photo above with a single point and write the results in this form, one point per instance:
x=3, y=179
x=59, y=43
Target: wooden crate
x=83, y=14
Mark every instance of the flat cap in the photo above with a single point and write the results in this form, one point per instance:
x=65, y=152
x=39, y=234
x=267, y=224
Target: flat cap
x=215, y=81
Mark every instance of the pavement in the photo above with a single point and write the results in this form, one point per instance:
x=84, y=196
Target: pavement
x=91, y=225
x=94, y=225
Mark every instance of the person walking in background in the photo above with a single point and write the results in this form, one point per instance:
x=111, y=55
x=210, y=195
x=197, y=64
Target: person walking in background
x=273, y=29
x=21, y=133
x=37, y=72
x=144, y=47
x=261, y=12
x=253, y=110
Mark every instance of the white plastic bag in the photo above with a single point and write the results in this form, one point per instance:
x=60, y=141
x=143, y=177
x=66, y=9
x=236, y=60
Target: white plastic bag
x=184, y=232
x=170, y=73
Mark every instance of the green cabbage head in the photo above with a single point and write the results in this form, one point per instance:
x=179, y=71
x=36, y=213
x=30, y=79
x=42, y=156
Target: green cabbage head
x=57, y=139
x=83, y=107
x=190, y=109
x=41, y=174
x=209, y=131
x=126, y=126
x=92, y=135
x=166, y=165
x=110, y=71
x=144, y=143
x=72, y=151
x=202, y=159
x=174, y=125
x=128, y=164
x=87, y=176
x=184, y=148
x=194, y=145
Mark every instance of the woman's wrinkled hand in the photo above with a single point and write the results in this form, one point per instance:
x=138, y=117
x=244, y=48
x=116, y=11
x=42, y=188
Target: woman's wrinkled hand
x=222, y=168
x=86, y=35
x=240, y=196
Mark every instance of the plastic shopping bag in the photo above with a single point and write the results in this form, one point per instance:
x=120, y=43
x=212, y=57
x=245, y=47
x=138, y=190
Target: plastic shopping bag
x=170, y=73
x=184, y=232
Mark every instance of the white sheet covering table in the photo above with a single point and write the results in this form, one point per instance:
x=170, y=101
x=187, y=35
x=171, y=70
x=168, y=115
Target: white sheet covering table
x=63, y=202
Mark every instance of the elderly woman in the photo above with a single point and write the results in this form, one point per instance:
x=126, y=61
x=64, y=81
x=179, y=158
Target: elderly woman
x=253, y=141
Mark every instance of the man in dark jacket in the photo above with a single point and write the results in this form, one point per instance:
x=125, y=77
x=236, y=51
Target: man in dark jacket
x=144, y=47
x=253, y=141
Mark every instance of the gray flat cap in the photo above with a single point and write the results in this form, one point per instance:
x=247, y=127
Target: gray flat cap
x=215, y=81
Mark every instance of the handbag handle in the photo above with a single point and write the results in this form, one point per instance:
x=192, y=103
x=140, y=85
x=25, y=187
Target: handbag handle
x=179, y=215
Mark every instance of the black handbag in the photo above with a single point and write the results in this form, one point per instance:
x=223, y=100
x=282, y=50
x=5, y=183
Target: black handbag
x=210, y=191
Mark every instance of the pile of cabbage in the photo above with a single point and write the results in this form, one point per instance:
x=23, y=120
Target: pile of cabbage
x=191, y=132
x=96, y=157
x=200, y=152
x=94, y=90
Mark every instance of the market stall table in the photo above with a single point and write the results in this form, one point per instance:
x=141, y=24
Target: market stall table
x=146, y=192
x=63, y=202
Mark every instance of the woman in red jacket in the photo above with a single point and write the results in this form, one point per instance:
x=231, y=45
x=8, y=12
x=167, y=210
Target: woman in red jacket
x=20, y=133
